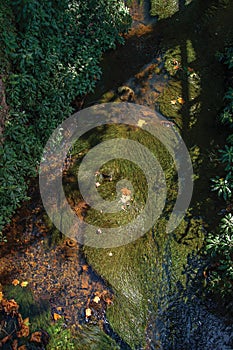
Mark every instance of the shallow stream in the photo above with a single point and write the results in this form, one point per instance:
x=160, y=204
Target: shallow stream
x=151, y=290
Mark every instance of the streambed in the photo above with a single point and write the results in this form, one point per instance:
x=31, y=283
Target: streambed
x=157, y=280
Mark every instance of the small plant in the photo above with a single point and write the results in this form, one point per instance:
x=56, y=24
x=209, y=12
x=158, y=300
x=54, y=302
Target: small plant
x=60, y=337
x=227, y=157
x=226, y=224
x=222, y=186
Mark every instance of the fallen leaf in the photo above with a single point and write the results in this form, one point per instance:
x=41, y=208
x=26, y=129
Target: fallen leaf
x=56, y=316
x=24, y=331
x=85, y=267
x=14, y=344
x=15, y=282
x=24, y=284
x=141, y=122
x=36, y=337
x=96, y=299
x=22, y=347
x=181, y=100
x=88, y=312
x=1, y=296
x=26, y=321
x=125, y=191
x=59, y=308
x=10, y=306
x=173, y=102
x=108, y=301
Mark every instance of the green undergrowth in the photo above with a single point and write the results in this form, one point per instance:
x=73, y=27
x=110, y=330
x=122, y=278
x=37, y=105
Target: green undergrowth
x=51, y=53
x=219, y=243
x=37, y=311
x=86, y=338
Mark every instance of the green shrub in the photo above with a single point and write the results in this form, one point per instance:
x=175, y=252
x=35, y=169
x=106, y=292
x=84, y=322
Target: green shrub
x=220, y=244
x=54, y=53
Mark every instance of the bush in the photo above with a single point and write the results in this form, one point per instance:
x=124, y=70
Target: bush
x=54, y=52
x=220, y=244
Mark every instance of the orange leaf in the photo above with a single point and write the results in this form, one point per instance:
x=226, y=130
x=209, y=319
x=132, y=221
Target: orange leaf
x=181, y=100
x=15, y=282
x=56, y=316
x=125, y=191
x=36, y=337
x=88, y=312
x=108, y=301
x=85, y=267
x=1, y=296
x=22, y=347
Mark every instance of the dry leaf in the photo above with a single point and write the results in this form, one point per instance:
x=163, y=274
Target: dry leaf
x=173, y=102
x=24, y=331
x=24, y=284
x=108, y=301
x=181, y=100
x=125, y=191
x=85, y=267
x=22, y=347
x=15, y=282
x=10, y=306
x=88, y=312
x=96, y=299
x=56, y=316
x=36, y=337
x=141, y=122
x=14, y=344
x=1, y=296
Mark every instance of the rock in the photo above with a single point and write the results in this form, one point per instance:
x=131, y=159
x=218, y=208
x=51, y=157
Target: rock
x=125, y=93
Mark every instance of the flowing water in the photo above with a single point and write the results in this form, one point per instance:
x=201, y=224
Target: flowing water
x=157, y=281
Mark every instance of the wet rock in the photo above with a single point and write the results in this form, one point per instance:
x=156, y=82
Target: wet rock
x=125, y=93
x=70, y=249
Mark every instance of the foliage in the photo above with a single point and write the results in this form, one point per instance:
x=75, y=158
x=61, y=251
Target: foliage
x=164, y=9
x=86, y=338
x=54, y=51
x=222, y=186
x=220, y=244
x=220, y=247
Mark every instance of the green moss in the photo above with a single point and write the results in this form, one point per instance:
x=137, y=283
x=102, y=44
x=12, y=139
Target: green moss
x=38, y=311
x=137, y=273
x=86, y=338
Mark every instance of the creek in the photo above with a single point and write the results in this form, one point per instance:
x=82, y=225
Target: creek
x=151, y=290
